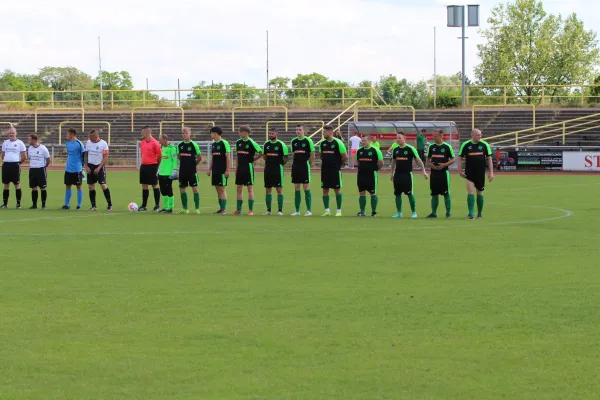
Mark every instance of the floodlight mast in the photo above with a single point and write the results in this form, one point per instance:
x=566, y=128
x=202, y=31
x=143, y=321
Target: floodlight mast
x=456, y=19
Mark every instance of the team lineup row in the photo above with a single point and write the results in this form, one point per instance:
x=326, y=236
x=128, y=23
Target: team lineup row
x=164, y=163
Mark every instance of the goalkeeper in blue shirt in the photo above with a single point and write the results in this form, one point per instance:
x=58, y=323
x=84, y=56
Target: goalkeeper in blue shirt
x=73, y=168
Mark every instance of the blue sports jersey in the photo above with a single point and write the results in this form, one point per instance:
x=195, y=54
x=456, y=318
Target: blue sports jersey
x=75, y=152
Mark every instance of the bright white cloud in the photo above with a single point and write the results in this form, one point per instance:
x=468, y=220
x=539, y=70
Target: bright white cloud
x=225, y=40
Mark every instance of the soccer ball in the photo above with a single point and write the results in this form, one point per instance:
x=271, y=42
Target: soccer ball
x=133, y=207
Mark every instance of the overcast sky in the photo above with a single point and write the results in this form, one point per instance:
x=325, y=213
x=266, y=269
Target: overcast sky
x=225, y=40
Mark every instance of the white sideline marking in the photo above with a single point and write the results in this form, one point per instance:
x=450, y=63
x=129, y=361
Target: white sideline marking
x=566, y=214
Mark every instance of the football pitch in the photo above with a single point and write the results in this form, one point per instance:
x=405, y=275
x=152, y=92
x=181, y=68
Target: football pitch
x=147, y=306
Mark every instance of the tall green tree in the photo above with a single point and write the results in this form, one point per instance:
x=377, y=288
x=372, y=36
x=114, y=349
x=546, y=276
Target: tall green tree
x=65, y=78
x=402, y=92
x=525, y=47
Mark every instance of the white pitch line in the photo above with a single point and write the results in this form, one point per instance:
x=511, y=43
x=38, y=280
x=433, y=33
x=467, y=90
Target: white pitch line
x=566, y=214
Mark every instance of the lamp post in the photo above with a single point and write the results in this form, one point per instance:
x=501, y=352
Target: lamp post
x=456, y=19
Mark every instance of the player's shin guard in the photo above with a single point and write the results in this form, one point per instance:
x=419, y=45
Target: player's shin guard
x=68, y=197
x=435, y=202
x=297, y=200
x=34, y=197
x=239, y=203
x=479, y=204
x=197, y=201
x=184, y=200
x=268, y=201
x=338, y=201
x=280, y=202
x=5, y=195
x=44, y=197
x=413, y=202
x=308, y=200
x=145, y=195
x=362, y=203
x=471, y=204
x=157, y=197
x=326, y=202
x=107, y=197
x=223, y=204
x=448, y=203
x=250, y=205
x=19, y=194
x=374, y=203
x=79, y=197
x=399, y=203
x=93, y=198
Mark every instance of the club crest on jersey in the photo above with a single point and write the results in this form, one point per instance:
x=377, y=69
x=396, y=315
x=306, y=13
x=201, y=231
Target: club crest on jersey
x=479, y=148
x=370, y=153
x=303, y=144
x=247, y=146
x=332, y=146
x=189, y=148
x=276, y=148
x=443, y=150
x=405, y=152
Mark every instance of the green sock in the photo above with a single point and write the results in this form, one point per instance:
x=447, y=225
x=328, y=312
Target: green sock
x=308, y=199
x=479, y=204
x=399, y=204
x=435, y=202
x=220, y=203
x=184, y=200
x=297, y=200
x=239, y=205
x=251, y=205
x=223, y=204
x=197, y=200
x=280, y=202
x=326, y=202
x=413, y=202
x=171, y=202
x=471, y=203
x=338, y=201
x=269, y=201
x=165, y=202
x=374, y=202
x=448, y=203
x=362, y=202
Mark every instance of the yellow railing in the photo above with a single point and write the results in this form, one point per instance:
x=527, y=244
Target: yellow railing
x=77, y=122
x=285, y=110
x=532, y=106
x=293, y=122
x=211, y=123
x=338, y=118
x=391, y=108
x=541, y=132
x=37, y=110
x=156, y=109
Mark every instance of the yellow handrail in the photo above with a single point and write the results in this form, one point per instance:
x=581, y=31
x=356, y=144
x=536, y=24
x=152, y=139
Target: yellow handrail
x=256, y=108
x=539, y=132
x=157, y=109
x=532, y=106
x=76, y=122
x=387, y=107
x=563, y=135
x=183, y=122
x=293, y=122
x=35, y=115
x=338, y=118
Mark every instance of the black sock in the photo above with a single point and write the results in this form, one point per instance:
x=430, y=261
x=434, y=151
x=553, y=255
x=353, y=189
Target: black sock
x=5, y=195
x=44, y=196
x=34, y=197
x=145, y=194
x=107, y=196
x=19, y=194
x=157, y=196
x=93, y=198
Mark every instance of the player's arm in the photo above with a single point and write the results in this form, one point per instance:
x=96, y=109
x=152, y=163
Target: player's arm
x=419, y=162
x=259, y=152
x=48, y=159
x=284, y=149
x=451, y=160
x=429, y=163
x=263, y=155
x=198, y=155
x=393, y=168
x=490, y=162
x=174, y=158
x=104, y=160
x=379, y=159
x=461, y=159
x=227, y=158
x=311, y=159
x=343, y=151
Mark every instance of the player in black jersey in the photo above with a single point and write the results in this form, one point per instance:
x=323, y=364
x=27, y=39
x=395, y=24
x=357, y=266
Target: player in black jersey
x=275, y=154
x=369, y=160
x=248, y=151
x=333, y=158
x=219, y=166
x=440, y=156
x=475, y=154
x=304, y=157
x=403, y=156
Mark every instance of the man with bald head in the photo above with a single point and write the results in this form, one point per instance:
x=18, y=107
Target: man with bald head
x=13, y=154
x=475, y=154
x=189, y=158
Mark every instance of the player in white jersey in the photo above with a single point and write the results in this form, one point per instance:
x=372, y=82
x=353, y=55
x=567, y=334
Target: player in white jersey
x=39, y=160
x=13, y=154
x=96, y=154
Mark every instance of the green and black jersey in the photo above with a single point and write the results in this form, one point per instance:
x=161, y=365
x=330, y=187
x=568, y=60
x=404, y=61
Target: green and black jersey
x=368, y=159
x=404, y=157
x=219, y=151
x=276, y=152
x=168, y=160
x=331, y=153
x=302, y=148
x=475, y=154
x=440, y=154
x=246, y=151
x=187, y=155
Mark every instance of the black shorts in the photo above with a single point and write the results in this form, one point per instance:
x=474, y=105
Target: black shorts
x=11, y=173
x=218, y=178
x=301, y=172
x=439, y=183
x=331, y=178
x=38, y=178
x=188, y=178
x=148, y=174
x=403, y=183
x=73, y=178
x=94, y=178
x=273, y=177
x=477, y=177
x=367, y=181
x=244, y=175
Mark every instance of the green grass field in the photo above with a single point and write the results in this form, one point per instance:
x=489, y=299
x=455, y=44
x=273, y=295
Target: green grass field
x=148, y=306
